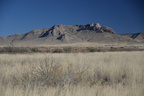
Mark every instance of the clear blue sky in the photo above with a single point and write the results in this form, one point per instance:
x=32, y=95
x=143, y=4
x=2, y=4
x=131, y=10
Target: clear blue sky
x=21, y=16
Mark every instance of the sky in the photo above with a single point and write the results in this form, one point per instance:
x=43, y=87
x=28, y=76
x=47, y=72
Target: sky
x=21, y=16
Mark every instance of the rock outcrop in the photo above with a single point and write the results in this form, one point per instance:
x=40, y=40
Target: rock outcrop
x=96, y=27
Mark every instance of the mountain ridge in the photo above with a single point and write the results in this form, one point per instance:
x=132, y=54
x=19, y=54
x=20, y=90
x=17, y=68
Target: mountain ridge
x=65, y=34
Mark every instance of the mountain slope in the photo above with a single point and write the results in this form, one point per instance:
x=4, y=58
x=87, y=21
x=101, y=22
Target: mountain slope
x=3, y=40
x=139, y=37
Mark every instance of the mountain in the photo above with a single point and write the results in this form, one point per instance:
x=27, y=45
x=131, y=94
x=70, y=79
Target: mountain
x=65, y=34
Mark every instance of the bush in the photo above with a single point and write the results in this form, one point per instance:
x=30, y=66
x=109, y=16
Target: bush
x=14, y=50
x=51, y=73
x=93, y=49
x=114, y=49
x=67, y=49
x=35, y=50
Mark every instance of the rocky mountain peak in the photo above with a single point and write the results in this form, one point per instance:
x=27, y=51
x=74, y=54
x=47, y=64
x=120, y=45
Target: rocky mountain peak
x=107, y=29
x=57, y=30
x=96, y=27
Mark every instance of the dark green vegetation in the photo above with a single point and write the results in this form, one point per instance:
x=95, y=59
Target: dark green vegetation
x=66, y=49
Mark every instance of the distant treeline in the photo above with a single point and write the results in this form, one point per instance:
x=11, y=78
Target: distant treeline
x=66, y=49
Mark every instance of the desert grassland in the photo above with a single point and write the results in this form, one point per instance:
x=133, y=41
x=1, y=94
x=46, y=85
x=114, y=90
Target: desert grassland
x=92, y=44
x=72, y=74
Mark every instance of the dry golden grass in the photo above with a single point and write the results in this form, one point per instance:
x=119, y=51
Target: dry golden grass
x=72, y=74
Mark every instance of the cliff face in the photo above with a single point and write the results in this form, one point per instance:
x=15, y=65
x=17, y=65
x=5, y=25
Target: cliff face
x=64, y=34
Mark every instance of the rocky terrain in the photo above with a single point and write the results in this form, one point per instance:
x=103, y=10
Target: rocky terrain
x=66, y=34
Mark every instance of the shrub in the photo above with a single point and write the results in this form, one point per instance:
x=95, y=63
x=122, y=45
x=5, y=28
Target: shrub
x=67, y=49
x=93, y=49
x=114, y=49
x=14, y=50
x=35, y=50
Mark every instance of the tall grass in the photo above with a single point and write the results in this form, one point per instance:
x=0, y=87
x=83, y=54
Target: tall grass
x=72, y=74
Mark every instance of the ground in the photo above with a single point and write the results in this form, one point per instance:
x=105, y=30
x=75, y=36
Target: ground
x=72, y=74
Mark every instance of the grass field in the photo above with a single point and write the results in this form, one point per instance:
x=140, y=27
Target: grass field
x=72, y=74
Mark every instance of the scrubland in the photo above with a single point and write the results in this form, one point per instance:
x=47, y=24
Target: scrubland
x=72, y=74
